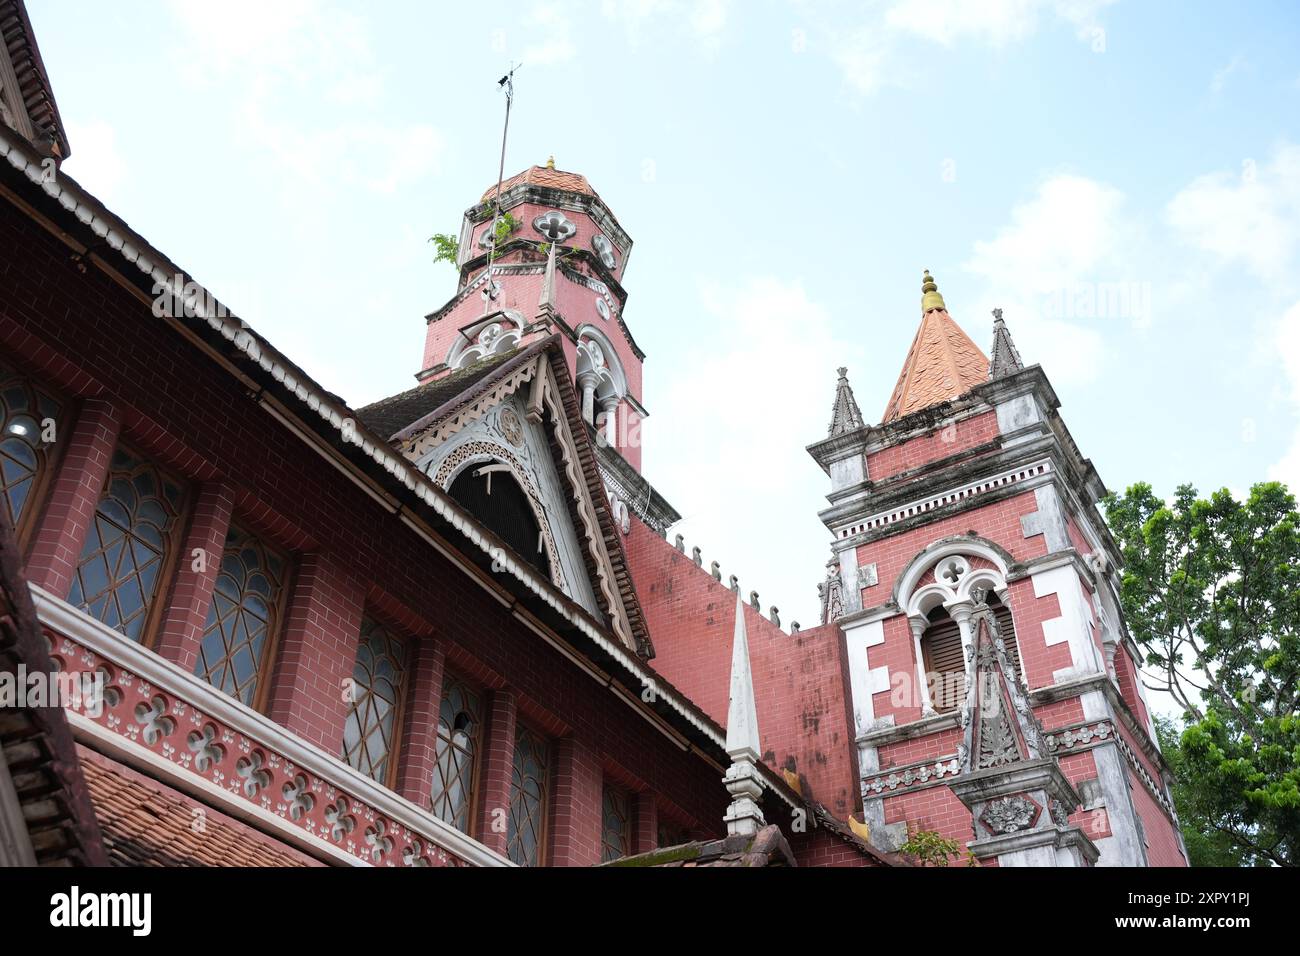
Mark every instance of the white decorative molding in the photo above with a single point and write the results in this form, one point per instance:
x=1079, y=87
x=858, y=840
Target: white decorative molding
x=912, y=776
x=962, y=493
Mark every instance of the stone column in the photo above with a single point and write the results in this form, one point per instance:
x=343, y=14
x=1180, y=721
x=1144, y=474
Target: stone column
x=961, y=612
x=610, y=407
x=587, y=383
x=919, y=624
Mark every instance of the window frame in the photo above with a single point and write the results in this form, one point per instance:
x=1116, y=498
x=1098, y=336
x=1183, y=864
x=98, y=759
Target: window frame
x=39, y=498
x=480, y=741
x=275, y=627
x=392, y=771
x=629, y=820
x=548, y=798
x=175, y=543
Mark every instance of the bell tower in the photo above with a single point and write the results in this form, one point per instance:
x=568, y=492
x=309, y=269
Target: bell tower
x=544, y=255
x=994, y=685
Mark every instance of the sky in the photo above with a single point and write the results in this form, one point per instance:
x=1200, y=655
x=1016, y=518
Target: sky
x=1122, y=178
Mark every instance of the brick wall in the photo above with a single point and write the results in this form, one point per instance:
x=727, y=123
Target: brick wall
x=799, y=680
x=84, y=334
x=932, y=446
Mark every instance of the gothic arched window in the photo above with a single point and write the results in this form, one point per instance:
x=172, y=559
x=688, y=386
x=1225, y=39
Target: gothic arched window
x=246, y=607
x=529, y=791
x=616, y=824
x=377, y=686
x=26, y=445
x=455, y=773
x=129, y=545
x=492, y=495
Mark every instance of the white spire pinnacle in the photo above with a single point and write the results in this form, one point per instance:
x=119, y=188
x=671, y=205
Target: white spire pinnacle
x=744, y=816
x=742, y=715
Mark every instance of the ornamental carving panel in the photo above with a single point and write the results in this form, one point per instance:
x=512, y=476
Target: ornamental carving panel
x=1009, y=815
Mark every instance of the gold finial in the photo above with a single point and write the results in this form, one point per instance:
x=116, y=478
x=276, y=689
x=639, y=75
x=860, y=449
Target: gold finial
x=550, y=163
x=930, y=297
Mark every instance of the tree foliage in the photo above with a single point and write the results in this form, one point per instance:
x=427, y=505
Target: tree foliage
x=1211, y=593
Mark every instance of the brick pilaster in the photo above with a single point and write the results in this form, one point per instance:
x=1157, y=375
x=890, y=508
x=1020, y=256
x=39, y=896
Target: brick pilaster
x=647, y=822
x=494, y=782
x=575, y=815
x=181, y=630
x=74, y=497
x=419, y=735
x=318, y=650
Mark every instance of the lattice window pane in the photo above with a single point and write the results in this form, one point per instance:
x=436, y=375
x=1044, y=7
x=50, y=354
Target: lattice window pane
x=128, y=545
x=529, y=780
x=616, y=825
x=460, y=720
x=243, y=616
x=377, y=687
x=25, y=411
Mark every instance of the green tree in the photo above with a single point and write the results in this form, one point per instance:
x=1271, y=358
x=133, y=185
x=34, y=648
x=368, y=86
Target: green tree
x=1211, y=593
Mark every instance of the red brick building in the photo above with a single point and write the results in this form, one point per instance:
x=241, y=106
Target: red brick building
x=447, y=628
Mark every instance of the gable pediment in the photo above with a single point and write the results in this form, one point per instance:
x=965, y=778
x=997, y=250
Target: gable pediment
x=522, y=418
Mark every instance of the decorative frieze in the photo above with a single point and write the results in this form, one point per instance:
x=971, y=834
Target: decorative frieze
x=936, y=501
x=911, y=777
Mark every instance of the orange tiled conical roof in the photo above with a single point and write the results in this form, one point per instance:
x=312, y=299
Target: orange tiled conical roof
x=547, y=176
x=942, y=363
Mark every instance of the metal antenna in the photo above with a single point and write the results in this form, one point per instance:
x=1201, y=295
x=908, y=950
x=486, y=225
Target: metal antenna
x=506, y=83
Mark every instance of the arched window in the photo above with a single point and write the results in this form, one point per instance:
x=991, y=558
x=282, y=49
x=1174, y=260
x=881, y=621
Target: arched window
x=616, y=824
x=529, y=791
x=492, y=495
x=377, y=687
x=944, y=658
x=129, y=545
x=455, y=773
x=26, y=444
x=242, y=621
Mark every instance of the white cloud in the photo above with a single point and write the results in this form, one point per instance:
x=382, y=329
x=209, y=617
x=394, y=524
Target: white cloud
x=554, y=30
x=704, y=20
x=1251, y=217
x=1064, y=269
x=876, y=51
x=95, y=161
x=741, y=395
x=1219, y=79
x=271, y=59
x=1286, y=339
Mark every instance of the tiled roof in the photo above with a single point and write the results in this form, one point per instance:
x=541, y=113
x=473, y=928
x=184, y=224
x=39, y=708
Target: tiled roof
x=547, y=177
x=146, y=823
x=767, y=847
x=942, y=363
x=388, y=416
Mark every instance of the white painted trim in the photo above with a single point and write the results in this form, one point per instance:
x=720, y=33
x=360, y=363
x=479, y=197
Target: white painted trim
x=973, y=489
x=166, y=676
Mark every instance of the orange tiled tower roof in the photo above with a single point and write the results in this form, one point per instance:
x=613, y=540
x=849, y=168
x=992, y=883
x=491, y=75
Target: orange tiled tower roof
x=942, y=363
x=547, y=176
